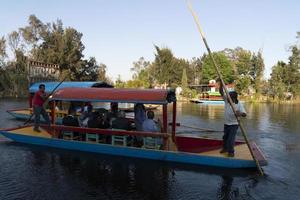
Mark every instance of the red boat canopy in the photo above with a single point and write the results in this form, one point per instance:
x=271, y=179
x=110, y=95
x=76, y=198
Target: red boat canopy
x=150, y=96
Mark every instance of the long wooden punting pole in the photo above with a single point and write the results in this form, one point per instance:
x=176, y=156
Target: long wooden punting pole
x=66, y=76
x=223, y=84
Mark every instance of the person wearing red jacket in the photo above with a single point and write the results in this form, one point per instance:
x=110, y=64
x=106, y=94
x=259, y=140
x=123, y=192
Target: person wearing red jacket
x=38, y=107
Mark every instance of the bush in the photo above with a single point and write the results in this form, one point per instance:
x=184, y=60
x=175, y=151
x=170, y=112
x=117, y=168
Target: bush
x=190, y=93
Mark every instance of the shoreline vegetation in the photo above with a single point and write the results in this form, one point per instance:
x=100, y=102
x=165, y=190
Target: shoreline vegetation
x=263, y=99
x=54, y=43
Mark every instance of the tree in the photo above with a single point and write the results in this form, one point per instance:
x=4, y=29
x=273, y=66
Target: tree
x=163, y=65
x=119, y=83
x=14, y=41
x=184, y=81
x=2, y=51
x=195, y=71
x=208, y=69
x=257, y=71
x=242, y=84
x=141, y=73
x=139, y=66
x=48, y=43
x=34, y=32
x=102, y=72
x=277, y=87
x=292, y=72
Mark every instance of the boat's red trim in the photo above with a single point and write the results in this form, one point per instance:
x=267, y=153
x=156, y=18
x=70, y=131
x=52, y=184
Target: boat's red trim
x=112, y=94
x=198, y=145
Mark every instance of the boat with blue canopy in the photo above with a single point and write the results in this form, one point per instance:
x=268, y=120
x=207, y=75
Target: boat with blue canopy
x=24, y=113
x=183, y=148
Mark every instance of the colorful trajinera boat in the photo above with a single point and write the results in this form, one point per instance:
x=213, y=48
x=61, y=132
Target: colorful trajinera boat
x=188, y=149
x=210, y=95
x=25, y=113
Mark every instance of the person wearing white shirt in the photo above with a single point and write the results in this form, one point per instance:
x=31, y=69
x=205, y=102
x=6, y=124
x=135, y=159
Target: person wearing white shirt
x=230, y=122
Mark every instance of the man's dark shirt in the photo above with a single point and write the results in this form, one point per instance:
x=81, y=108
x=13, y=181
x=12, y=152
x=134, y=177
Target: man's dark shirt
x=70, y=121
x=121, y=123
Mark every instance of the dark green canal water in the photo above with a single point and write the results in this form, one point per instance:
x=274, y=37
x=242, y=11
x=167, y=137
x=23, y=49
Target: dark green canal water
x=32, y=172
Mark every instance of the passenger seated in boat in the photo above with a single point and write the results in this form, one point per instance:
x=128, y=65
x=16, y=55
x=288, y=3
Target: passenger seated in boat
x=85, y=115
x=99, y=120
x=121, y=122
x=139, y=116
x=70, y=119
x=114, y=109
x=149, y=125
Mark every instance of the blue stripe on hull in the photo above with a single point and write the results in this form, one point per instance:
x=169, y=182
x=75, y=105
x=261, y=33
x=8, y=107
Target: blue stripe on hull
x=180, y=157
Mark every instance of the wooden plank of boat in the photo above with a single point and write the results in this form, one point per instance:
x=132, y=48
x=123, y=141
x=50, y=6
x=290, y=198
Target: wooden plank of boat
x=210, y=158
x=29, y=131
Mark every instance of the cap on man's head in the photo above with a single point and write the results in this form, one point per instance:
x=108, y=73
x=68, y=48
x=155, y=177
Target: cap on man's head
x=41, y=86
x=233, y=94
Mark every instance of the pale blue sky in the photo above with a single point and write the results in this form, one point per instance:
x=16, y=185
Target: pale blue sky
x=119, y=32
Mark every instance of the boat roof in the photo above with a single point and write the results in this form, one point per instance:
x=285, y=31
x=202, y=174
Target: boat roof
x=49, y=86
x=147, y=96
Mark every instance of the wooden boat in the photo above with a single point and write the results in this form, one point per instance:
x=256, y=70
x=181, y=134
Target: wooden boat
x=25, y=113
x=182, y=148
x=208, y=101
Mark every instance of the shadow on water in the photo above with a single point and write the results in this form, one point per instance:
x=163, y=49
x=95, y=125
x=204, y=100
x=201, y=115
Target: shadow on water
x=87, y=176
x=34, y=172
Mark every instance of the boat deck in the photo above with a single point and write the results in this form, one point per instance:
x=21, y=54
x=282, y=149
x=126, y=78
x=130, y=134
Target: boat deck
x=241, y=151
x=29, y=131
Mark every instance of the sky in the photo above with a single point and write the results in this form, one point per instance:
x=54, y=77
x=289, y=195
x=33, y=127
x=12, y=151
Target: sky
x=117, y=33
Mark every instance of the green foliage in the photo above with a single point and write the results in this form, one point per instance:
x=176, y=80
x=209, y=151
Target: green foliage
x=184, y=81
x=285, y=77
x=142, y=76
x=119, y=83
x=48, y=43
x=187, y=92
x=164, y=66
x=277, y=87
x=257, y=71
x=194, y=71
x=242, y=84
x=209, y=72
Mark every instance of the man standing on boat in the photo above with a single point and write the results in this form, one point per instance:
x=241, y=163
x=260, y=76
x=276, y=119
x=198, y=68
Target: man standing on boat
x=38, y=107
x=230, y=122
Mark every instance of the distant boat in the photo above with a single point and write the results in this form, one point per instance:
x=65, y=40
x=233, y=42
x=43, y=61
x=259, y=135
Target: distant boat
x=210, y=94
x=209, y=98
x=202, y=101
x=25, y=113
x=183, y=148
